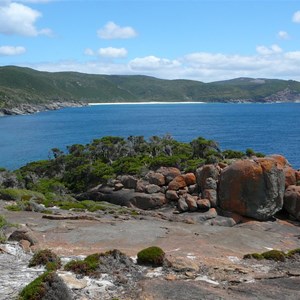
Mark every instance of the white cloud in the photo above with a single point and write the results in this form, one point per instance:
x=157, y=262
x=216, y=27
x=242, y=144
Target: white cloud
x=11, y=50
x=89, y=52
x=296, y=17
x=200, y=66
x=114, y=31
x=283, y=35
x=18, y=19
x=152, y=63
x=111, y=52
x=263, y=50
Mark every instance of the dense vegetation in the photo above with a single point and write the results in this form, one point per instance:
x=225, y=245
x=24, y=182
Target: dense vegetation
x=27, y=86
x=63, y=175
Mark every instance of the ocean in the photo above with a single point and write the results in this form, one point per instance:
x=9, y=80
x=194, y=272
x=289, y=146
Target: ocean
x=267, y=128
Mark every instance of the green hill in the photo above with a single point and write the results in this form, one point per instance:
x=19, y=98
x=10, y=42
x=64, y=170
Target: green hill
x=24, y=86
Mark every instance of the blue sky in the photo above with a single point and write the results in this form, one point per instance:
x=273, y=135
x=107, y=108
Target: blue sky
x=199, y=40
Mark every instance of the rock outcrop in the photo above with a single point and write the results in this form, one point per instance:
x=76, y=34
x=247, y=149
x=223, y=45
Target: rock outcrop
x=252, y=188
x=292, y=201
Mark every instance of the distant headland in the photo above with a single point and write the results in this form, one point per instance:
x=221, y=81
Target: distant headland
x=25, y=91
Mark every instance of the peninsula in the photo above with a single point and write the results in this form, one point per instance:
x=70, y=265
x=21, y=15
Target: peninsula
x=24, y=90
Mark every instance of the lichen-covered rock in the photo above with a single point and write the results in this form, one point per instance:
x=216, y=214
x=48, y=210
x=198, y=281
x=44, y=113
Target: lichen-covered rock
x=177, y=183
x=148, y=201
x=169, y=173
x=292, y=201
x=156, y=178
x=189, y=178
x=203, y=204
x=207, y=171
x=210, y=184
x=211, y=195
x=252, y=188
x=290, y=176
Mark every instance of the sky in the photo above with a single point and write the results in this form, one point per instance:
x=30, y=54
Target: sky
x=204, y=40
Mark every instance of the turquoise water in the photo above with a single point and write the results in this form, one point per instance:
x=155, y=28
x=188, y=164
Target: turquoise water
x=267, y=128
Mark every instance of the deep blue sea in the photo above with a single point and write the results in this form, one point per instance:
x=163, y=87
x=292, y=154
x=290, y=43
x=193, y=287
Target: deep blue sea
x=267, y=128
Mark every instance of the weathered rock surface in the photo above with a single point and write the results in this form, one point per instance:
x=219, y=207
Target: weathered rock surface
x=292, y=201
x=252, y=188
x=205, y=172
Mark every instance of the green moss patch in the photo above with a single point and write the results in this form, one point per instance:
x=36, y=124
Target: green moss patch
x=153, y=256
x=86, y=267
x=275, y=255
x=46, y=258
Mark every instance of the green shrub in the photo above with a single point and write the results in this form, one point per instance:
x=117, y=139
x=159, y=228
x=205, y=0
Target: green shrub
x=230, y=154
x=130, y=165
x=153, y=256
x=86, y=267
x=46, y=258
x=35, y=290
x=20, y=194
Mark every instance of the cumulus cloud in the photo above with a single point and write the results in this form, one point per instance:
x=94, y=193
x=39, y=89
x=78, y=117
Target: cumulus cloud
x=202, y=66
x=11, y=50
x=283, y=35
x=273, y=49
x=111, y=52
x=19, y=19
x=113, y=31
x=296, y=17
x=152, y=63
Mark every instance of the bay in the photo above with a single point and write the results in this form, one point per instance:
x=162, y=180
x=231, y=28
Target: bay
x=268, y=128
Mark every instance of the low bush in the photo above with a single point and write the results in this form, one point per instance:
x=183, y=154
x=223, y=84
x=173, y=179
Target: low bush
x=86, y=267
x=46, y=258
x=20, y=194
x=47, y=286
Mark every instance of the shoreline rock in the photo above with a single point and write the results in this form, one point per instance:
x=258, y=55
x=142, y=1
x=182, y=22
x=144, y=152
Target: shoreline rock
x=27, y=109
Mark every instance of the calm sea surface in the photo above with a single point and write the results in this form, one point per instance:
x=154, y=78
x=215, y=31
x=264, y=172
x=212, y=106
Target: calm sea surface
x=267, y=128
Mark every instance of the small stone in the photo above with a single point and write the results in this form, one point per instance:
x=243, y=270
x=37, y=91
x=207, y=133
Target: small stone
x=118, y=186
x=72, y=282
x=182, y=205
x=152, y=188
x=170, y=277
x=156, y=178
x=203, y=204
x=171, y=195
x=25, y=244
x=191, y=202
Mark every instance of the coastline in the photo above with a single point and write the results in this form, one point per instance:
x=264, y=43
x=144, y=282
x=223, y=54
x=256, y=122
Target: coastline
x=144, y=103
